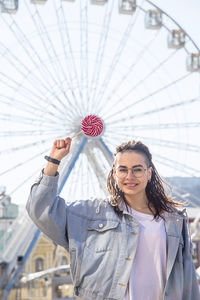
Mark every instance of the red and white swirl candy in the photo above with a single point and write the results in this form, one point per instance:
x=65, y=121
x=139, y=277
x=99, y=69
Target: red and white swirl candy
x=92, y=125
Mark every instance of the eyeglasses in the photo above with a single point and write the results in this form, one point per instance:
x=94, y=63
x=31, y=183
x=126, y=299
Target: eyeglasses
x=122, y=172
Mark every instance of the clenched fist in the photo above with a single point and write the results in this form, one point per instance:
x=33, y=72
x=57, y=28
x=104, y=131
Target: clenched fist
x=60, y=148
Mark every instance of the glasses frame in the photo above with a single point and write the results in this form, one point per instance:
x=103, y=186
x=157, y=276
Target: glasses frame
x=132, y=172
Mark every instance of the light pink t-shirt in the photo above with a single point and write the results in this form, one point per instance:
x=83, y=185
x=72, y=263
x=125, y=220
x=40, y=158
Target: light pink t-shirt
x=148, y=274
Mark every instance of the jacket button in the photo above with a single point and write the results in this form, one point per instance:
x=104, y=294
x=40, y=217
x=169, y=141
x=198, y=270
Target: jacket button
x=128, y=258
x=122, y=284
x=100, y=225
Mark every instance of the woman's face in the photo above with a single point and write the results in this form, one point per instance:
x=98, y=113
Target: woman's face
x=129, y=182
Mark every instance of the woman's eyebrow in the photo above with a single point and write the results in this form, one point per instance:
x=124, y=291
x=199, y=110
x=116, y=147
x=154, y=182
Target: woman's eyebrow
x=121, y=166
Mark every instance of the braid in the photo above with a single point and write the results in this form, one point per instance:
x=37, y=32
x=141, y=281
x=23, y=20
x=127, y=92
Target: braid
x=155, y=191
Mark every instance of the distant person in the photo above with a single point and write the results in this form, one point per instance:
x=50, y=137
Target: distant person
x=134, y=245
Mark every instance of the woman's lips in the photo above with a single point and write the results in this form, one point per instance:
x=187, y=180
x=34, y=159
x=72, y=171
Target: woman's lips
x=131, y=185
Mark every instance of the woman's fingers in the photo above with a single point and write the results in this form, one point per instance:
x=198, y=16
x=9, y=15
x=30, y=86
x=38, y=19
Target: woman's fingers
x=60, y=148
x=63, y=143
x=59, y=144
x=67, y=143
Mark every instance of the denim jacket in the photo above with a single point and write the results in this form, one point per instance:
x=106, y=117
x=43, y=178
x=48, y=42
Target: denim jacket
x=102, y=244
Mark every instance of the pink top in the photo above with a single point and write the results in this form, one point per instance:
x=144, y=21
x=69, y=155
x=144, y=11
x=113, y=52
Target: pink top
x=148, y=274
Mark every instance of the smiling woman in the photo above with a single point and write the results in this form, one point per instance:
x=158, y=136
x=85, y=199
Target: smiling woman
x=142, y=188
x=138, y=224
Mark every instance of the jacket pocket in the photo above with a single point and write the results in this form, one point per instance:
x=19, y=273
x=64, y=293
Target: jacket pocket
x=101, y=235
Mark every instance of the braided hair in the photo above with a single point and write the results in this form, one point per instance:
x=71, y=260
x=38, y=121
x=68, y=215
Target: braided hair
x=156, y=194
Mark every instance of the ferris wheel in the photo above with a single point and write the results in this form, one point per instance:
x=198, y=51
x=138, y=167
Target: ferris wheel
x=127, y=62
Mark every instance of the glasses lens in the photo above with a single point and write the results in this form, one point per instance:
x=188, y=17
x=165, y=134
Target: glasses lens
x=123, y=172
x=138, y=172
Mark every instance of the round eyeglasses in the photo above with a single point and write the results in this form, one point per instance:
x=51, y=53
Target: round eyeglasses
x=137, y=172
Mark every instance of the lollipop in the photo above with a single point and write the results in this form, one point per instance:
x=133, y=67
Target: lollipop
x=91, y=126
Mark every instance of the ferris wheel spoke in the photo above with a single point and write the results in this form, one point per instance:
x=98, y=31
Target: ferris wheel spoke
x=140, y=82
x=81, y=173
x=129, y=71
x=84, y=53
x=25, y=146
x=21, y=106
x=72, y=190
x=23, y=162
x=20, y=119
x=122, y=44
x=101, y=49
x=86, y=173
x=14, y=118
x=28, y=49
x=51, y=54
x=150, y=95
x=157, y=126
x=42, y=123
x=16, y=188
x=167, y=107
x=35, y=81
x=18, y=64
x=26, y=92
x=169, y=144
x=34, y=132
x=96, y=169
x=67, y=47
x=176, y=165
x=31, y=52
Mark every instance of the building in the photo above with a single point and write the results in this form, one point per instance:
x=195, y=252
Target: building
x=8, y=213
x=50, y=285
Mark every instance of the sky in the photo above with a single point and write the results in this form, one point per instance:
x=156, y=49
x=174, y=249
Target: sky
x=33, y=89
x=186, y=13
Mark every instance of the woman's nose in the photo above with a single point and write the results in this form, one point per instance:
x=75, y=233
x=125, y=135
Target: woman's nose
x=130, y=174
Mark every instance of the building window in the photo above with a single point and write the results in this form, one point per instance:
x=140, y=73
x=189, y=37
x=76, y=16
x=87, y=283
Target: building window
x=38, y=288
x=39, y=265
x=64, y=260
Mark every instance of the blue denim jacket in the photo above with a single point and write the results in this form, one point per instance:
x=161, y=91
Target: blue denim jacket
x=102, y=244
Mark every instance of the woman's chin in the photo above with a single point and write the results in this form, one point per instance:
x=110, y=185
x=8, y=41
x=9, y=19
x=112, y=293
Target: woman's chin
x=130, y=191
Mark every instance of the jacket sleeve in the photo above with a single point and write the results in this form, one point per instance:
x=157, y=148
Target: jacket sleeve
x=47, y=210
x=191, y=287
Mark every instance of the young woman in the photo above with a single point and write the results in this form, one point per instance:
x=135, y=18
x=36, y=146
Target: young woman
x=133, y=246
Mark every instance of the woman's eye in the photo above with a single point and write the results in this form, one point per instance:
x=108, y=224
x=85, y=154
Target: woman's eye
x=137, y=170
x=123, y=170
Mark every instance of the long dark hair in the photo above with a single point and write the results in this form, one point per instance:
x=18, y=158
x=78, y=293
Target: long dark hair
x=156, y=194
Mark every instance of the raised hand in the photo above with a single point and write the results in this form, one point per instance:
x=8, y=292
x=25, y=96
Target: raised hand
x=60, y=148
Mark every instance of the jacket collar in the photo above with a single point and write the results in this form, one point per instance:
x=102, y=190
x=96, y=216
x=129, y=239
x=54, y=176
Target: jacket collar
x=174, y=214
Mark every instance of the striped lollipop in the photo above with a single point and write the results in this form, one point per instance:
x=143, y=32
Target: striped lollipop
x=91, y=126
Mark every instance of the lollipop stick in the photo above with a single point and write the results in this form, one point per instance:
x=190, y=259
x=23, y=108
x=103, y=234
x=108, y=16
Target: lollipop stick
x=76, y=134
